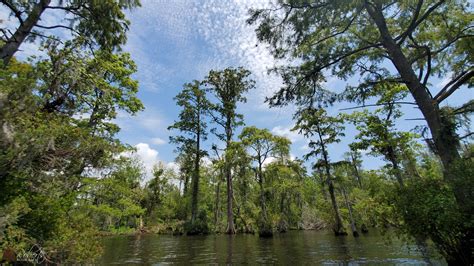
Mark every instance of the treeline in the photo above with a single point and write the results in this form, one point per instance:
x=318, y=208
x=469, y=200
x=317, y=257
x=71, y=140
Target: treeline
x=65, y=177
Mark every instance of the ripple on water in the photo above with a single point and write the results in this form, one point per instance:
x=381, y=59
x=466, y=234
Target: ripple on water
x=293, y=248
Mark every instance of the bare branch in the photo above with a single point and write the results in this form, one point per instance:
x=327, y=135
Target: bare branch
x=467, y=136
x=453, y=85
x=415, y=119
x=338, y=32
x=54, y=27
x=374, y=105
x=14, y=10
x=45, y=36
x=334, y=61
x=307, y=5
x=72, y=10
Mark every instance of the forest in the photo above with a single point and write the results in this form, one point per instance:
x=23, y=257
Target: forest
x=67, y=180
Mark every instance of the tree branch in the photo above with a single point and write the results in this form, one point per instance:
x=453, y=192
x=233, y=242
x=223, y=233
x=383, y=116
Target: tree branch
x=467, y=136
x=413, y=26
x=374, y=105
x=453, y=85
x=334, y=61
x=14, y=10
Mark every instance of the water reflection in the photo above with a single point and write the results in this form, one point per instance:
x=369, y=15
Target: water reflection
x=294, y=248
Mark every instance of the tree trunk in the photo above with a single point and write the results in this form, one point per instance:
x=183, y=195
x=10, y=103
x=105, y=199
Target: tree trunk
x=265, y=228
x=228, y=175
x=13, y=43
x=262, y=191
x=194, y=197
x=338, y=227
x=323, y=183
x=396, y=168
x=356, y=170
x=186, y=183
x=445, y=143
x=216, y=210
x=230, y=215
x=349, y=207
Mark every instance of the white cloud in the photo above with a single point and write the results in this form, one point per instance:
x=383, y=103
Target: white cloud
x=447, y=78
x=149, y=120
x=304, y=148
x=148, y=156
x=268, y=161
x=173, y=166
x=229, y=41
x=206, y=161
x=158, y=141
x=288, y=133
x=223, y=25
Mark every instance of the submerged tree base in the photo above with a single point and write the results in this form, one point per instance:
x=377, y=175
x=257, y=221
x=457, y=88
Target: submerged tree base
x=265, y=233
x=340, y=233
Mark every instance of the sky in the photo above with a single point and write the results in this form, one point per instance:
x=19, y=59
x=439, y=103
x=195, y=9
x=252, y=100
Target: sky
x=175, y=42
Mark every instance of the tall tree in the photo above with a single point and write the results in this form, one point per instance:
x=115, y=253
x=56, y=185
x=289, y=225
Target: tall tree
x=228, y=87
x=263, y=145
x=86, y=90
x=326, y=130
x=103, y=23
x=377, y=131
x=192, y=122
x=354, y=157
x=57, y=123
x=421, y=39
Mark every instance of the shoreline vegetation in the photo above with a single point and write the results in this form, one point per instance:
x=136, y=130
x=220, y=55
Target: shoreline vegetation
x=179, y=229
x=66, y=178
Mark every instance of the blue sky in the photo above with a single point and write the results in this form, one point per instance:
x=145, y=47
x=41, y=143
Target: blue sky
x=174, y=42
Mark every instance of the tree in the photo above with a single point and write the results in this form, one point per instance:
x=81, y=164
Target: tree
x=228, y=87
x=341, y=170
x=421, y=39
x=263, y=145
x=114, y=200
x=326, y=130
x=71, y=92
x=56, y=133
x=193, y=124
x=285, y=189
x=377, y=131
x=354, y=157
x=103, y=23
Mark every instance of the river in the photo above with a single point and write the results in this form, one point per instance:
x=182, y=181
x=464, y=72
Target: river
x=291, y=248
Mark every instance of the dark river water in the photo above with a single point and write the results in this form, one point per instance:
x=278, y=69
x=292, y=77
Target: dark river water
x=291, y=248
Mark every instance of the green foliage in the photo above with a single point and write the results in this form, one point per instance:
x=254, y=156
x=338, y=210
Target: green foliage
x=102, y=24
x=115, y=200
x=192, y=123
x=11, y=234
x=228, y=86
x=351, y=45
x=429, y=211
x=55, y=122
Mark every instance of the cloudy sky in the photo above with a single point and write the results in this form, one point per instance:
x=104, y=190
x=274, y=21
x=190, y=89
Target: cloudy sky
x=174, y=42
